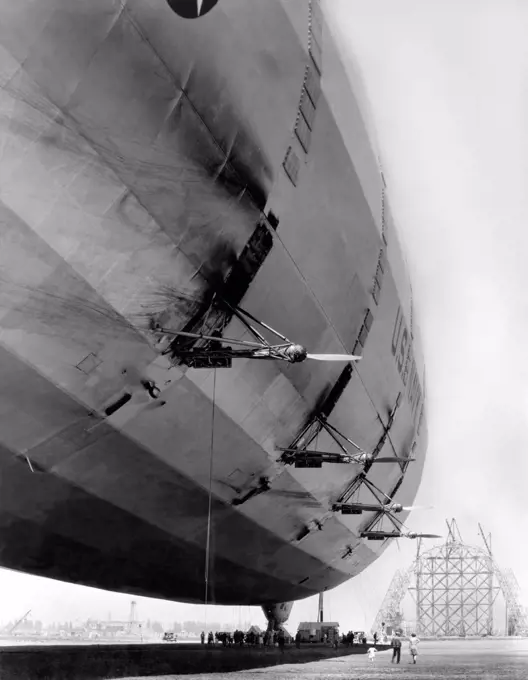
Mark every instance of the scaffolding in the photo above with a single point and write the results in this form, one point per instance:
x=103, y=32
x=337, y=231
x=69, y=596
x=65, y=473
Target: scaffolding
x=516, y=615
x=390, y=614
x=454, y=589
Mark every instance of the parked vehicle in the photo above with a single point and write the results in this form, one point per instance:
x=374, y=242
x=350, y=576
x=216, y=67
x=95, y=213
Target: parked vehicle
x=169, y=636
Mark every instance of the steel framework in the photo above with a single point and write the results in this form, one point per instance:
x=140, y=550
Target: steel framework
x=516, y=615
x=390, y=613
x=454, y=591
x=516, y=622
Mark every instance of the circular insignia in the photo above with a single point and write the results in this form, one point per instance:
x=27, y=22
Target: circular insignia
x=191, y=9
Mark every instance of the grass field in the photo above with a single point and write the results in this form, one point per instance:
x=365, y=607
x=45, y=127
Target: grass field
x=472, y=659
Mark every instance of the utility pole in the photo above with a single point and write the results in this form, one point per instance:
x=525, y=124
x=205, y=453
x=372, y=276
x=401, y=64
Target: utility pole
x=132, y=617
x=320, y=613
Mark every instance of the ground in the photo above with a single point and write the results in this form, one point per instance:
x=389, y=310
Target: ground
x=483, y=659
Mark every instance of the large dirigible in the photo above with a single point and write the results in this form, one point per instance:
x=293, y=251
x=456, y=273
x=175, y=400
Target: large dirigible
x=167, y=163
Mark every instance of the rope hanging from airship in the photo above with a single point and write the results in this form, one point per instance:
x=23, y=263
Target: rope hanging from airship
x=210, y=500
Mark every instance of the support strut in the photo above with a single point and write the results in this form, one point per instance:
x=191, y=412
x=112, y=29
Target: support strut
x=302, y=457
x=212, y=353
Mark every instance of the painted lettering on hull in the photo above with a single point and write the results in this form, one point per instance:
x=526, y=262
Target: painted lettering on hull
x=401, y=346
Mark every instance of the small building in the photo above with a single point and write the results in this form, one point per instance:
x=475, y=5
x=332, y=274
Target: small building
x=315, y=631
x=120, y=629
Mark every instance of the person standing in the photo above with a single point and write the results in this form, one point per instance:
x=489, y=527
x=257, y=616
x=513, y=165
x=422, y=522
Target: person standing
x=372, y=654
x=413, y=646
x=281, y=640
x=396, y=648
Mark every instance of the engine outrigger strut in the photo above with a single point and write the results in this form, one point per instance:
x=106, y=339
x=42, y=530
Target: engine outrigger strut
x=302, y=457
x=214, y=354
x=375, y=532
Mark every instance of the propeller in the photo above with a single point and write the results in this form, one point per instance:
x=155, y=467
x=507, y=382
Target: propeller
x=392, y=459
x=413, y=534
x=254, y=349
x=333, y=357
x=382, y=535
x=376, y=507
x=410, y=508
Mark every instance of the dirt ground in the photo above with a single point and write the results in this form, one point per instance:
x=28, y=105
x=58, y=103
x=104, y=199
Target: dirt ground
x=483, y=659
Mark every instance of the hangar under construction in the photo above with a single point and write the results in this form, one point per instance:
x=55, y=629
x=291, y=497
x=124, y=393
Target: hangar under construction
x=454, y=587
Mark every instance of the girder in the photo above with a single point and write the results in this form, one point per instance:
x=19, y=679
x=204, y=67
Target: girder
x=454, y=587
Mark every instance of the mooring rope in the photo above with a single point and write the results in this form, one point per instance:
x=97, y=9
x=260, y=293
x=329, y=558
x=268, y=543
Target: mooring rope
x=208, y=541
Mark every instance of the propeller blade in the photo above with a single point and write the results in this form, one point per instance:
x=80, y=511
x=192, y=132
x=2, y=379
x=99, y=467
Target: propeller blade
x=392, y=459
x=410, y=508
x=333, y=357
x=428, y=536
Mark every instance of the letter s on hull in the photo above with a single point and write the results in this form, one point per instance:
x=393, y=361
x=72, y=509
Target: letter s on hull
x=191, y=9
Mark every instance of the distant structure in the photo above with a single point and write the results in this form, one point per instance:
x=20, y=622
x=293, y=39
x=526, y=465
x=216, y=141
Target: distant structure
x=132, y=617
x=390, y=617
x=320, y=608
x=19, y=622
x=454, y=587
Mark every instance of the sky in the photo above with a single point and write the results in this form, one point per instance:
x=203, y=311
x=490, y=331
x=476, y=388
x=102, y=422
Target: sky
x=447, y=84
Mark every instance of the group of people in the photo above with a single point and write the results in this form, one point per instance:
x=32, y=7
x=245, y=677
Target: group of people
x=396, y=644
x=354, y=638
x=278, y=638
x=240, y=638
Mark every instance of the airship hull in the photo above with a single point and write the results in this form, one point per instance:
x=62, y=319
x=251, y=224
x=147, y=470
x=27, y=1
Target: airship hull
x=148, y=162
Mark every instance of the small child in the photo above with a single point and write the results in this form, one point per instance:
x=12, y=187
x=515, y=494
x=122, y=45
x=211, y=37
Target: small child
x=372, y=654
x=413, y=646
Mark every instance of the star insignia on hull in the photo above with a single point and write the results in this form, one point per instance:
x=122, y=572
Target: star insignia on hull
x=191, y=9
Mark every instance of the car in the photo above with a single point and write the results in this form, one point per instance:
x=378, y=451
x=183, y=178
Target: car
x=169, y=636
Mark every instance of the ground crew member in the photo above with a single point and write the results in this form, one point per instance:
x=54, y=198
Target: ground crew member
x=396, y=648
